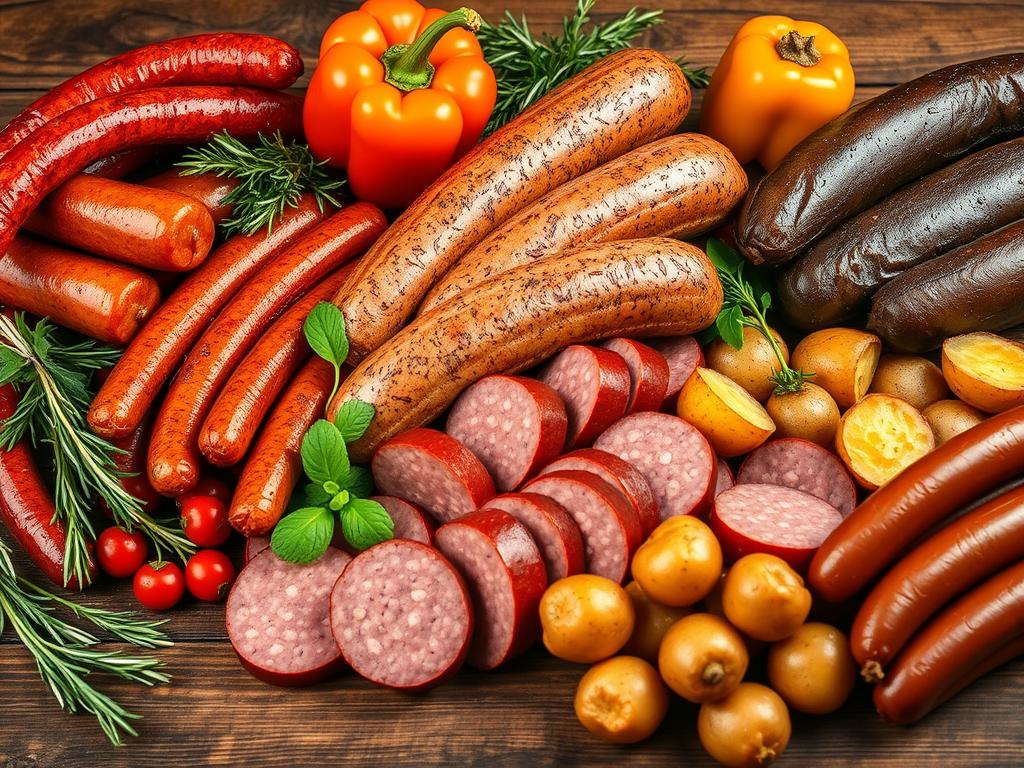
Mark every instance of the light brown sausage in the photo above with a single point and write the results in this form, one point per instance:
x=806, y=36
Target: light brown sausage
x=653, y=287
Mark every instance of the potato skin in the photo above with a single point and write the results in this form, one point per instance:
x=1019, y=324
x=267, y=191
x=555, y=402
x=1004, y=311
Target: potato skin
x=843, y=362
x=728, y=431
x=810, y=414
x=748, y=729
x=948, y=418
x=586, y=618
x=751, y=366
x=621, y=700
x=813, y=670
x=909, y=377
x=977, y=389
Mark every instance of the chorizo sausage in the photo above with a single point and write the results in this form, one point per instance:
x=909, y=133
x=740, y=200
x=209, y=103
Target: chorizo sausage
x=208, y=188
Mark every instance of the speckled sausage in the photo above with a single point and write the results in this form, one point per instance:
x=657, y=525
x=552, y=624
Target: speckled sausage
x=209, y=189
x=254, y=545
x=434, y=471
x=724, y=479
x=105, y=301
x=648, y=374
x=410, y=521
x=679, y=186
x=608, y=523
x=502, y=566
x=594, y=384
x=684, y=356
x=277, y=618
x=674, y=457
x=800, y=464
x=520, y=318
x=555, y=532
x=619, y=474
x=627, y=99
x=513, y=424
x=875, y=148
x=402, y=616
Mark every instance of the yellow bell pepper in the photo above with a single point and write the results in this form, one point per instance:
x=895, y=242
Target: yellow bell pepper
x=778, y=81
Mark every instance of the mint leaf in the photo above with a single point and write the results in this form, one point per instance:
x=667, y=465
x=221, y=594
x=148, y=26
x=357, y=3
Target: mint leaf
x=723, y=257
x=730, y=326
x=324, y=455
x=325, y=332
x=358, y=482
x=353, y=419
x=304, y=535
x=311, y=496
x=366, y=523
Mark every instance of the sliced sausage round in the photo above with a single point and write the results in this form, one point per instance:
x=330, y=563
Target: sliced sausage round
x=401, y=615
x=514, y=425
x=277, y=618
x=801, y=464
x=773, y=519
x=410, y=521
x=673, y=456
x=648, y=374
x=557, y=535
x=724, y=479
x=683, y=355
x=434, y=471
x=500, y=562
x=594, y=385
x=254, y=545
x=607, y=522
x=617, y=473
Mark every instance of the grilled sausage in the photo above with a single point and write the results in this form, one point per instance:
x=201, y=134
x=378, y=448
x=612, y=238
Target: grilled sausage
x=679, y=187
x=516, y=320
x=946, y=209
x=929, y=490
x=979, y=287
x=873, y=149
x=209, y=189
x=133, y=386
x=627, y=99
x=132, y=465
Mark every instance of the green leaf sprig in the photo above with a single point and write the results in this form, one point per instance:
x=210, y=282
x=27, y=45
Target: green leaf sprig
x=337, y=491
x=747, y=300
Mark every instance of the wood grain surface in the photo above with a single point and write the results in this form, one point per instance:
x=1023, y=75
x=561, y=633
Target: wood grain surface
x=216, y=714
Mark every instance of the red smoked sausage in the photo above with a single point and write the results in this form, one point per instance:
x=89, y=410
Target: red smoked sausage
x=208, y=188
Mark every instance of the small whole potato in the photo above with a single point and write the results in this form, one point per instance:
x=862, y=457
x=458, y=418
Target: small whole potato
x=652, y=622
x=702, y=658
x=813, y=669
x=680, y=563
x=751, y=366
x=765, y=598
x=912, y=378
x=586, y=618
x=621, y=700
x=842, y=360
x=810, y=414
x=750, y=728
x=948, y=418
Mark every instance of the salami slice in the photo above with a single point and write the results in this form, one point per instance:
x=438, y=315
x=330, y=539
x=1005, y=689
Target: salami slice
x=618, y=473
x=553, y=529
x=277, y=618
x=410, y=521
x=683, y=355
x=773, y=519
x=500, y=562
x=434, y=471
x=254, y=545
x=594, y=385
x=673, y=456
x=514, y=425
x=607, y=522
x=401, y=615
x=801, y=464
x=648, y=374
x=724, y=479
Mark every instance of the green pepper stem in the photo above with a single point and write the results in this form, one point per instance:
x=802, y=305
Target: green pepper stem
x=406, y=66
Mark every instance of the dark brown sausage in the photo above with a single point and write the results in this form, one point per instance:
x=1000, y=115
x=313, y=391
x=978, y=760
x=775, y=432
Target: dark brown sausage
x=979, y=287
x=927, y=492
x=875, y=148
x=124, y=163
x=627, y=99
x=520, y=318
x=209, y=189
x=105, y=301
x=67, y=144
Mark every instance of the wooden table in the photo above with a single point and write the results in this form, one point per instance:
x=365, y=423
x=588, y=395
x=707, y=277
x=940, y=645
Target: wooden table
x=214, y=713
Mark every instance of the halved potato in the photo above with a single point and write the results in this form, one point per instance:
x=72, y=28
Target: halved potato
x=985, y=370
x=948, y=418
x=843, y=361
x=915, y=379
x=732, y=421
x=881, y=436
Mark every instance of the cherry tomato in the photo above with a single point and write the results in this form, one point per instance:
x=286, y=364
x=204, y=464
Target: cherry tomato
x=119, y=552
x=208, y=575
x=159, y=585
x=209, y=485
x=205, y=520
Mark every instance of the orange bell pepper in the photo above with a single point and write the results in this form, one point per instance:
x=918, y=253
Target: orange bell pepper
x=399, y=94
x=778, y=81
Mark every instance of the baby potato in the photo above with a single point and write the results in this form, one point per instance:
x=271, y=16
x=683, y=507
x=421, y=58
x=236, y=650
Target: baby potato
x=765, y=598
x=910, y=377
x=702, y=658
x=586, y=618
x=881, y=436
x=732, y=421
x=985, y=370
x=750, y=728
x=813, y=669
x=843, y=361
x=948, y=418
x=621, y=700
x=652, y=622
x=810, y=414
x=751, y=366
x=680, y=563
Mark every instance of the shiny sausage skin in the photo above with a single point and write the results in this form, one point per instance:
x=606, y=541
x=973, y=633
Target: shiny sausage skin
x=627, y=99
x=947, y=653
x=239, y=409
x=174, y=451
x=925, y=493
x=979, y=287
x=678, y=187
x=125, y=163
x=634, y=288
x=148, y=228
x=945, y=210
x=217, y=59
x=105, y=301
x=26, y=507
x=953, y=560
x=177, y=115
x=125, y=397
x=207, y=188
x=877, y=147
x=274, y=466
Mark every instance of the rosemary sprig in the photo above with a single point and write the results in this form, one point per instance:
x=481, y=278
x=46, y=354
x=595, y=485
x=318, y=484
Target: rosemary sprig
x=527, y=67
x=272, y=175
